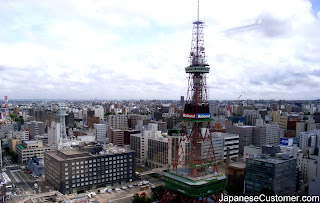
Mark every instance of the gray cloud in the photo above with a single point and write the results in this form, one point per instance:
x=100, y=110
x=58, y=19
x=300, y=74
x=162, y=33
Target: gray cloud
x=273, y=27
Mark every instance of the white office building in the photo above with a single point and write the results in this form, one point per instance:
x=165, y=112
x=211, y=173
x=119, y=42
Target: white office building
x=221, y=143
x=53, y=134
x=139, y=142
x=309, y=139
x=99, y=112
x=118, y=121
x=101, y=132
x=273, y=134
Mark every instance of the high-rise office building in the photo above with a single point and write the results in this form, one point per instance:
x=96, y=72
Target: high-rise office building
x=101, y=132
x=245, y=135
x=309, y=139
x=182, y=101
x=81, y=169
x=54, y=133
x=251, y=117
x=269, y=173
x=35, y=127
x=118, y=121
x=116, y=136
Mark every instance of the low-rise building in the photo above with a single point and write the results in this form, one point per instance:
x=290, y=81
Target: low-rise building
x=29, y=149
x=22, y=134
x=36, y=165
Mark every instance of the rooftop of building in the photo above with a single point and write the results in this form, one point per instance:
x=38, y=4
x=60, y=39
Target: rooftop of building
x=88, y=151
x=21, y=146
x=180, y=176
x=224, y=134
x=31, y=141
x=240, y=165
x=271, y=160
x=72, y=151
x=244, y=126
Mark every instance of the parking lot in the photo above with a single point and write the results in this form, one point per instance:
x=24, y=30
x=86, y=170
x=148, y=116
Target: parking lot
x=122, y=195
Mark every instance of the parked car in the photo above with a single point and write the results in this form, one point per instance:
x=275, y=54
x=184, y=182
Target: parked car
x=145, y=182
x=117, y=189
x=124, y=187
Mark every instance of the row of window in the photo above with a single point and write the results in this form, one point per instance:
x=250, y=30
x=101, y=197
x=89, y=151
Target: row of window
x=93, y=172
x=100, y=160
x=85, y=178
x=95, y=181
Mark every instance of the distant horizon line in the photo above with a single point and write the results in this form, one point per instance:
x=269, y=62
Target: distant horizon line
x=159, y=99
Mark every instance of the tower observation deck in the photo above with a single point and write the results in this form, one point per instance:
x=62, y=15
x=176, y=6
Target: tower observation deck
x=194, y=176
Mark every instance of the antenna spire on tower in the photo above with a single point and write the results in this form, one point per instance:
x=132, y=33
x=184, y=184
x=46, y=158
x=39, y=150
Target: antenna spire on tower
x=198, y=11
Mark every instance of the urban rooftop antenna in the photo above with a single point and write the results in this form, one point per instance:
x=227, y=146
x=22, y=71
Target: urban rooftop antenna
x=198, y=11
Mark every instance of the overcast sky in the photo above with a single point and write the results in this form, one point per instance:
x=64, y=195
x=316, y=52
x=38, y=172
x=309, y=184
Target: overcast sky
x=108, y=49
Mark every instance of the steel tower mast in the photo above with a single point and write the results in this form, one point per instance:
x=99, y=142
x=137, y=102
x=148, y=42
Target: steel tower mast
x=195, y=174
x=63, y=141
x=6, y=107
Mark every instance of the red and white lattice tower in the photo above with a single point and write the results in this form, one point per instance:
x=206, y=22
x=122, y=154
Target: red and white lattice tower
x=194, y=176
x=200, y=153
x=6, y=109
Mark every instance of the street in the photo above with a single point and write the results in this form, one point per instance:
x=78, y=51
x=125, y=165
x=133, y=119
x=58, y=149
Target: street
x=24, y=184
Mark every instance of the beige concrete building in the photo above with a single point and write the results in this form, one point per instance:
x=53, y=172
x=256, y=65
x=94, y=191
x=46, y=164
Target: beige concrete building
x=13, y=142
x=30, y=149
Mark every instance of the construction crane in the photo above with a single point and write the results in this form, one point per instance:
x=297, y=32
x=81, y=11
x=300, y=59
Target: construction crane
x=239, y=97
x=229, y=108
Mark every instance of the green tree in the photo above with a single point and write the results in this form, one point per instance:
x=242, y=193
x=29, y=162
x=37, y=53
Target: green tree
x=20, y=119
x=13, y=116
x=143, y=198
x=15, y=157
x=7, y=149
x=158, y=192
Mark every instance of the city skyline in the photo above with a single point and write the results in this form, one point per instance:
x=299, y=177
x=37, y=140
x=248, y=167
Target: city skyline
x=138, y=50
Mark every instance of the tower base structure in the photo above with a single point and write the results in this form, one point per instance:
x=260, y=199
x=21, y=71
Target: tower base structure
x=180, y=187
